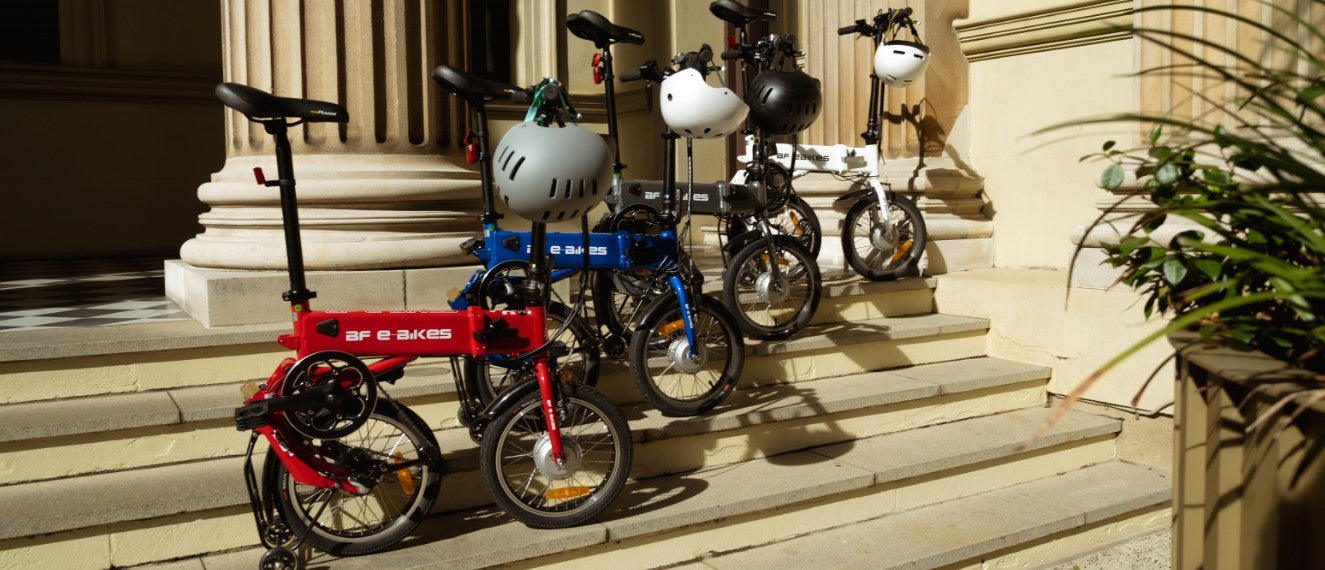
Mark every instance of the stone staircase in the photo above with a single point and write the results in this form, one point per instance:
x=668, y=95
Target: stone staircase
x=881, y=436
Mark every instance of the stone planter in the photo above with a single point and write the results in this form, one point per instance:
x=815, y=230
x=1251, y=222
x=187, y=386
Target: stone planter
x=1245, y=499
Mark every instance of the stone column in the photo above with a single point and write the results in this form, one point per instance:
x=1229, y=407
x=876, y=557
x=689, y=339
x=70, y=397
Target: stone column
x=388, y=190
x=923, y=145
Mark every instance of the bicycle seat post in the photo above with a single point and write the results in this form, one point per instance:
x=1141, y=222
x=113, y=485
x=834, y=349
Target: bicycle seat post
x=294, y=251
x=489, y=216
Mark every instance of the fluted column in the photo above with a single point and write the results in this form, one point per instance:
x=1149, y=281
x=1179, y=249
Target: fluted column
x=386, y=190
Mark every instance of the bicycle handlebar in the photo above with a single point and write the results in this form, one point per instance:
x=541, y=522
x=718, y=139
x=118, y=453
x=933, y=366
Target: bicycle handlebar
x=521, y=97
x=732, y=54
x=853, y=28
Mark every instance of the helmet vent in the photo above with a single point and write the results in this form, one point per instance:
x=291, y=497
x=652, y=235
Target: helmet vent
x=669, y=96
x=594, y=188
x=706, y=131
x=518, y=163
x=552, y=191
x=566, y=191
x=917, y=56
x=581, y=187
x=899, y=52
x=507, y=159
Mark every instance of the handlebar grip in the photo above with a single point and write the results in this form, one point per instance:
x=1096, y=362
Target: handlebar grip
x=853, y=28
x=630, y=75
x=731, y=54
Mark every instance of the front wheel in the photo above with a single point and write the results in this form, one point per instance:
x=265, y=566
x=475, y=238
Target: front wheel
x=338, y=522
x=771, y=304
x=883, y=246
x=526, y=481
x=672, y=377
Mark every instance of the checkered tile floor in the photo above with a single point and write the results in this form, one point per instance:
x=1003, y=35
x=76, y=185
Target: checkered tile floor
x=83, y=293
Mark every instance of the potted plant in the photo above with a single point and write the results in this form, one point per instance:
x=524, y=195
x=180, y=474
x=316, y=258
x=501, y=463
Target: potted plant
x=1251, y=270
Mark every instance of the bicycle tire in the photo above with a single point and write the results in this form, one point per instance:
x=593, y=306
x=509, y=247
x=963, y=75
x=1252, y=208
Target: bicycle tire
x=695, y=387
x=796, y=219
x=515, y=463
x=404, y=496
x=766, y=309
x=883, y=252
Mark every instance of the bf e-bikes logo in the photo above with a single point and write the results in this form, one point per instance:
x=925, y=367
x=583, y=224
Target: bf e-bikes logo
x=594, y=250
x=658, y=196
x=815, y=157
x=399, y=334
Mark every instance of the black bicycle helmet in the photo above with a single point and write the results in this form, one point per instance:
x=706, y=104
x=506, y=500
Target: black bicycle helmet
x=784, y=102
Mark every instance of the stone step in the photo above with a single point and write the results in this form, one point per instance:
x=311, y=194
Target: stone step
x=75, y=436
x=55, y=364
x=982, y=529
x=753, y=423
x=673, y=519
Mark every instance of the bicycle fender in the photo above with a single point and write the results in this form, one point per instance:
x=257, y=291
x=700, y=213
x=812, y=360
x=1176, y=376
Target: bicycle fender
x=508, y=399
x=856, y=194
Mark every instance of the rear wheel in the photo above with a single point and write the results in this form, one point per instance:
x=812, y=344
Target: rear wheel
x=336, y=521
x=883, y=245
x=520, y=472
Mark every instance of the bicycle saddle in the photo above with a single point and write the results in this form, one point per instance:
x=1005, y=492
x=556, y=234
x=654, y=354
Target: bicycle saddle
x=594, y=27
x=256, y=104
x=470, y=87
x=739, y=14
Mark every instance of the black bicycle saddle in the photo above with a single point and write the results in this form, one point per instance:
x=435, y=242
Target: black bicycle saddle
x=594, y=27
x=470, y=87
x=739, y=14
x=256, y=104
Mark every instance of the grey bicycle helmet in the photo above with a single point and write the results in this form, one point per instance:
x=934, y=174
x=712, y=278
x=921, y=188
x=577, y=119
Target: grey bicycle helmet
x=694, y=109
x=548, y=174
x=784, y=102
x=898, y=63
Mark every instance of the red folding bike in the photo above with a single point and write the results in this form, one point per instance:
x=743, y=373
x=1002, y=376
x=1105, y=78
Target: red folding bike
x=352, y=471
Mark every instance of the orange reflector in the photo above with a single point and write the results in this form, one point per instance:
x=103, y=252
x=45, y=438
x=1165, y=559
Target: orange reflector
x=403, y=475
x=567, y=376
x=781, y=259
x=566, y=493
x=671, y=327
x=901, y=251
x=795, y=223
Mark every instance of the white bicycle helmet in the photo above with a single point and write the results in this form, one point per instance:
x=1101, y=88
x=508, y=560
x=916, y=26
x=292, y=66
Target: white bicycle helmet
x=548, y=174
x=694, y=109
x=898, y=63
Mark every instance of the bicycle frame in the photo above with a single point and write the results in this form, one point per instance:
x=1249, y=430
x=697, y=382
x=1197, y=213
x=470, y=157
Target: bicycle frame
x=398, y=337
x=618, y=250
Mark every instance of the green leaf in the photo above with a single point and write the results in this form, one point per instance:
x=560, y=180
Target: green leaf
x=1155, y=133
x=1131, y=243
x=1311, y=93
x=1208, y=267
x=1113, y=177
x=1167, y=174
x=1174, y=270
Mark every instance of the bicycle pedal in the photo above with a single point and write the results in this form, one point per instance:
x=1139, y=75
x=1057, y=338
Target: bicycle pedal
x=252, y=416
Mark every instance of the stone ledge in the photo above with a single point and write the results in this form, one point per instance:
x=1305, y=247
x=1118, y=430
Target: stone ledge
x=159, y=491
x=466, y=539
x=944, y=534
x=830, y=335
x=95, y=414
x=74, y=342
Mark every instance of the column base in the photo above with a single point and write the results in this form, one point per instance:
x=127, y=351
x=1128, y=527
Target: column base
x=226, y=297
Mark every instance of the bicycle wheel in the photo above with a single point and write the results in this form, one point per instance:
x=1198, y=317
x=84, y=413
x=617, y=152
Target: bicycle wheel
x=767, y=306
x=518, y=469
x=345, y=524
x=883, y=246
x=660, y=362
x=579, y=364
